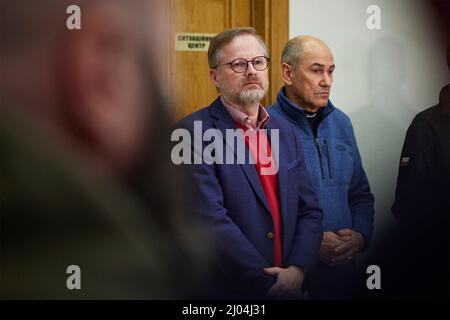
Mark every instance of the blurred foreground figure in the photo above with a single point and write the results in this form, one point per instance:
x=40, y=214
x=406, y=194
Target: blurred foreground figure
x=84, y=172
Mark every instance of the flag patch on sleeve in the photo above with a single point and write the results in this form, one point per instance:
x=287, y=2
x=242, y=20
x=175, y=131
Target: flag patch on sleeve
x=404, y=162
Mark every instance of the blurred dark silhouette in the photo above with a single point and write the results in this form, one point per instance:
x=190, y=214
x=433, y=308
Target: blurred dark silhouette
x=415, y=257
x=85, y=174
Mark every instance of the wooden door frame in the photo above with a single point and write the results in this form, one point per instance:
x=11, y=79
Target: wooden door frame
x=270, y=18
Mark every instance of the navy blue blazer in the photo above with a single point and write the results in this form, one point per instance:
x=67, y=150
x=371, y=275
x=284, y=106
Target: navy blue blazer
x=231, y=201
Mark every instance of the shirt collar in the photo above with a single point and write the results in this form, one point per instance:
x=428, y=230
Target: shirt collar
x=243, y=119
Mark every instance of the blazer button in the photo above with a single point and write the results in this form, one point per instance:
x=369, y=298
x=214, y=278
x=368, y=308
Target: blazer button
x=270, y=235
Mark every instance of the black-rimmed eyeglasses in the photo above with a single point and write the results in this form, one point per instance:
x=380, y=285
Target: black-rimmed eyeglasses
x=240, y=65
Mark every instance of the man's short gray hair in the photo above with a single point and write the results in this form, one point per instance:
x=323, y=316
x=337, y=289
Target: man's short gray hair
x=293, y=52
x=225, y=37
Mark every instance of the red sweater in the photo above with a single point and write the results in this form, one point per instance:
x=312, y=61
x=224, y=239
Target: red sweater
x=269, y=183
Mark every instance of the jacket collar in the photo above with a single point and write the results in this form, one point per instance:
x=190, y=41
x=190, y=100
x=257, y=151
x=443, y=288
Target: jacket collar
x=295, y=113
x=218, y=112
x=223, y=118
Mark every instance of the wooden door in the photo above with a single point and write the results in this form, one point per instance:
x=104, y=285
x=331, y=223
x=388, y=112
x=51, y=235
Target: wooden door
x=189, y=85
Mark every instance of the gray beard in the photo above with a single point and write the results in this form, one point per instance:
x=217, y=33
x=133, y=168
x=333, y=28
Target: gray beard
x=249, y=96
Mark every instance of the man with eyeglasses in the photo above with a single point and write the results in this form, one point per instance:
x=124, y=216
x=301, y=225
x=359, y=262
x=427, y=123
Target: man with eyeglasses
x=267, y=225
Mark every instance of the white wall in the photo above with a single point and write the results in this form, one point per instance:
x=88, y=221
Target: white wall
x=382, y=78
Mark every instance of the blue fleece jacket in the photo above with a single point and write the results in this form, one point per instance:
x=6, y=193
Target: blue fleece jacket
x=334, y=165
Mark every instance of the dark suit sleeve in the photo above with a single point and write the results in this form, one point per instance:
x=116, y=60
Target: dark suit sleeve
x=240, y=262
x=308, y=232
x=360, y=198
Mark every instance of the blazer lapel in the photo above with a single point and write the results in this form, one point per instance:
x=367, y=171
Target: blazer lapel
x=223, y=121
x=282, y=173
